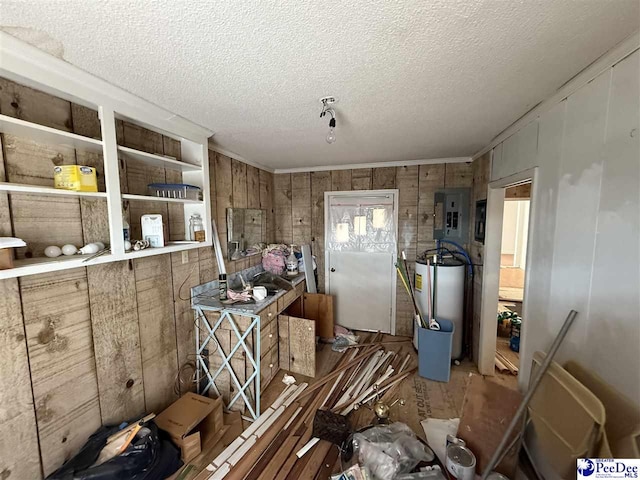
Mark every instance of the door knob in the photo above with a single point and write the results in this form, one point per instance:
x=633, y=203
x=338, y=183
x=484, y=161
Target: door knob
x=333, y=269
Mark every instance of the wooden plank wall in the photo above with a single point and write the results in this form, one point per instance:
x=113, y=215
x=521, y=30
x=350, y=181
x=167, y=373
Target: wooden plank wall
x=299, y=210
x=481, y=171
x=102, y=344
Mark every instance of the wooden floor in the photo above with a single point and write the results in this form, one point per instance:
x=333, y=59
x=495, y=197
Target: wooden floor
x=422, y=398
x=502, y=345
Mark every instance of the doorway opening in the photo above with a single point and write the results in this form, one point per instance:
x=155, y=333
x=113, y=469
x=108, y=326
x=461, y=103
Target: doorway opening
x=503, y=273
x=361, y=235
x=513, y=259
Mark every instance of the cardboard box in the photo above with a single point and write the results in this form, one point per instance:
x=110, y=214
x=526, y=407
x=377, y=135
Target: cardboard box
x=6, y=258
x=75, y=177
x=192, y=422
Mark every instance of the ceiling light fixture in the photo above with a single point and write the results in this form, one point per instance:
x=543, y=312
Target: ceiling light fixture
x=326, y=109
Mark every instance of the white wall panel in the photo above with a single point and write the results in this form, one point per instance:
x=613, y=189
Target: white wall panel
x=586, y=249
x=538, y=331
x=577, y=209
x=613, y=340
x=519, y=152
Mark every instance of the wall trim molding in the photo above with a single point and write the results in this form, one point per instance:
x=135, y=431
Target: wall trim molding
x=235, y=156
x=395, y=163
x=586, y=75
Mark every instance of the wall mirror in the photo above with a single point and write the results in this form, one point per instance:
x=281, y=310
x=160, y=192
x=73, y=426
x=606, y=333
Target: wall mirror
x=246, y=230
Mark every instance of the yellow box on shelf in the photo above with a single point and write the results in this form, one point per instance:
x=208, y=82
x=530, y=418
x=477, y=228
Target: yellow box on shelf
x=75, y=177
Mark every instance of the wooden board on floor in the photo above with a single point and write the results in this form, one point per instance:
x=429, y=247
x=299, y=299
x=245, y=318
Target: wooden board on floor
x=487, y=411
x=157, y=330
x=116, y=340
x=63, y=372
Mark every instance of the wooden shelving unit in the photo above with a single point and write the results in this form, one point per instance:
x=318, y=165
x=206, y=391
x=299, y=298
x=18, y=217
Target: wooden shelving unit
x=36, y=190
x=154, y=160
x=149, y=198
x=111, y=104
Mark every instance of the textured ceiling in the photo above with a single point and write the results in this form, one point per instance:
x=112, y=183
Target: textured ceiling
x=415, y=79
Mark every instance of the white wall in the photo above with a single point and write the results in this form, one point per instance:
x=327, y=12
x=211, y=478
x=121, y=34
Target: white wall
x=509, y=228
x=586, y=246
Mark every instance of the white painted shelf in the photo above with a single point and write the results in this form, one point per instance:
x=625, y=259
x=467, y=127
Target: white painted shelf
x=36, y=190
x=168, y=248
x=47, y=135
x=150, y=198
x=33, y=266
x=158, y=160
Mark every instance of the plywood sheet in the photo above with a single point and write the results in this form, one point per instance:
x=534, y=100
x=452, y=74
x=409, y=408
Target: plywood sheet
x=319, y=307
x=430, y=178
x=63, y=371
x=361, y=179
x=116, y=340
x=176, y=223
x=32, y=163
x=301, y=208
x=384, y=178
x=458, y=175
x=283, y=205
x=239, y=183
x=224, y=197
x=341, y=180
x=17, y=415
x=266, y=202
x=302, y=346
x=154, y=294
x=320, y=183
x=253, y=187
x=283, y=342
x=34, y=106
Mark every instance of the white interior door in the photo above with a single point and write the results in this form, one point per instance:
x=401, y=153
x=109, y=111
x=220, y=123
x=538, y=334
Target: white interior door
x=360, y=248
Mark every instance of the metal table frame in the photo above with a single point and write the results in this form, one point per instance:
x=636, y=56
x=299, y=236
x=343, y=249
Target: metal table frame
x=207, y=332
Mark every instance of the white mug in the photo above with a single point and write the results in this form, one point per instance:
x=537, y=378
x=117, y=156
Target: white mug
x=259, y=293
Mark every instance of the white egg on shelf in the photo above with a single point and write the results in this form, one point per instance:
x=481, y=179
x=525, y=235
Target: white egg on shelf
x=52, y=251
x=69, y=249
x=90, y=249
x=127, y=245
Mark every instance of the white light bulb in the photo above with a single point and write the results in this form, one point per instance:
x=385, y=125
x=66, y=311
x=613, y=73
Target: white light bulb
x=331, y=136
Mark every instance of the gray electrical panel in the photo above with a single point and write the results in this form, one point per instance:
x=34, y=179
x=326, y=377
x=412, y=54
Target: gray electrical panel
x=451, y=215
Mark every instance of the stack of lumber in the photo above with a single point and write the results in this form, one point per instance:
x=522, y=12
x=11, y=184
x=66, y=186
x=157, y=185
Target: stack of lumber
x=503, y=363
x=279, y=444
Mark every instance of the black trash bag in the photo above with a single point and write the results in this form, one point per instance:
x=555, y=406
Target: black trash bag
x=149, y=457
